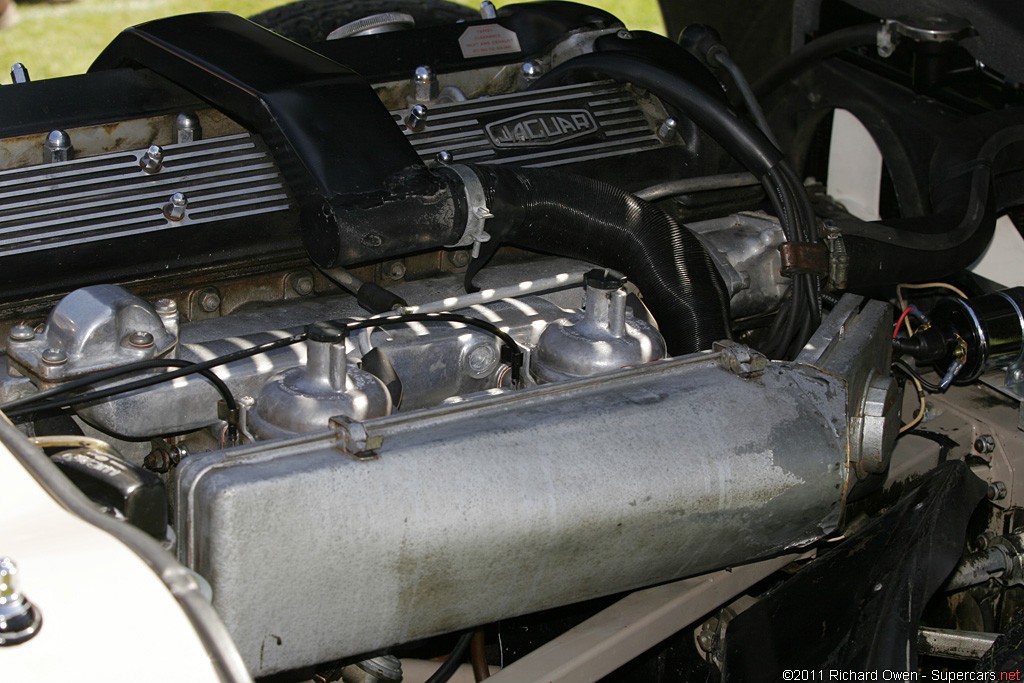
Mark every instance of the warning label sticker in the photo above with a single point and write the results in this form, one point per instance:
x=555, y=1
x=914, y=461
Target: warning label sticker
x=487, y=40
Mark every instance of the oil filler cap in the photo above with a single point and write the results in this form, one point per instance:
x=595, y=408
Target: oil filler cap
x=19, y=619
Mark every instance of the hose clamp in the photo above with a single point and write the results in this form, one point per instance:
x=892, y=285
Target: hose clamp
x=838, y=257
x=799, y=258
x=477, y=212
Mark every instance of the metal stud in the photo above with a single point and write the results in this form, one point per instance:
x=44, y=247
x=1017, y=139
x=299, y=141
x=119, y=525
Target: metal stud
x=19, y=73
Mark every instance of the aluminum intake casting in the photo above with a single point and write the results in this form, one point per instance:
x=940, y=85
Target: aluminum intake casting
x=435, y=520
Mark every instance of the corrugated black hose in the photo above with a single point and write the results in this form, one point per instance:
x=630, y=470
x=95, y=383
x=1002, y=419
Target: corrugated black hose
x=580, y=218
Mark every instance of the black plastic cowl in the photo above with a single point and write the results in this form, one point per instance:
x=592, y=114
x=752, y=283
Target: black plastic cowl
x=348, y=165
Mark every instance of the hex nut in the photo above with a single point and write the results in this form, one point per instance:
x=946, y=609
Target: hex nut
x=301, y=283
x=209, y=301
x=996, y=491
x=459, y=258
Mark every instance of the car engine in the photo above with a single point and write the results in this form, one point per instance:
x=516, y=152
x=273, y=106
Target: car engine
x=424, y=331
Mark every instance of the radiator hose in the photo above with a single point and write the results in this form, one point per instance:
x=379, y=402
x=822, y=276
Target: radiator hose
x=964, y=202
x=576, y=217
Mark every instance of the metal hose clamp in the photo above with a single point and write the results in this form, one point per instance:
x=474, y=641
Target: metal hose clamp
x=477, y=212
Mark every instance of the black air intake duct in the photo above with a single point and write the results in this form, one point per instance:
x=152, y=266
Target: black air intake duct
x=589, y=220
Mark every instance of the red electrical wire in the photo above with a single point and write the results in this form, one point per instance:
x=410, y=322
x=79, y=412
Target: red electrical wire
x=903, y=316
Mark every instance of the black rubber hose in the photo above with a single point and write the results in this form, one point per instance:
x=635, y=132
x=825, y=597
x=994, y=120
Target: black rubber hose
x=814, y=52
x=741, y=139
x=580, y=218
x=961, y=227
x=451, y=665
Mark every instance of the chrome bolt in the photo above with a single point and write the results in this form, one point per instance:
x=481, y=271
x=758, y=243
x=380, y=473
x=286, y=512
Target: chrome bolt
x=417, y=118
x=57, y=147
x=395, y=269
x=174, y=210
x=178, y=453
x=247, y=401
x=54, y=356
x=19, y=73
x=140, y=339
x=165, y=306
x=19, y=619
x=8, y=591
x=209, y=301
x=996, y=491
x=624, y=34
x=152, y=159
x=445, y=157
x=426, y=85
x=667, y=129
x=187, y=127
x=531, y=71
x=985, y=443
x=22, y=333
x=459, y=259
x=487, y=10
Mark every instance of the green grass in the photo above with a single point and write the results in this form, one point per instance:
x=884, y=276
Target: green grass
x=63, y=39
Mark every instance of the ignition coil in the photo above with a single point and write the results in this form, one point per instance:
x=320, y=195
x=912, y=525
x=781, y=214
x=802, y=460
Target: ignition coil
x=967, y=337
